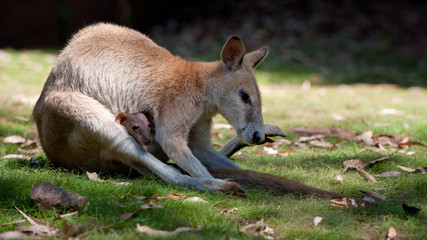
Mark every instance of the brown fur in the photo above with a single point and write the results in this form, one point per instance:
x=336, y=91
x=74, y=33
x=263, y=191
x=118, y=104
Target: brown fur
x=137, y=125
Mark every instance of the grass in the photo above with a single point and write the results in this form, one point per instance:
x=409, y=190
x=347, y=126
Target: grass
x=286, y=104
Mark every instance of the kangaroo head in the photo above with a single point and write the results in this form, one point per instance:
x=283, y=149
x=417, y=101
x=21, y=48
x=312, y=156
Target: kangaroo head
x=240, y=99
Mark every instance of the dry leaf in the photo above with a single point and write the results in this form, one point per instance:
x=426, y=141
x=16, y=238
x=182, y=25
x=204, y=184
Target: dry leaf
x=153, y=232
x=31, y=151
x=127, y=215
x=410, y=210
x=377, y=161
x=391, y=234
x=19, y=156
x=14, y=139
x=338, y=117
x=195, y=199
x=20, y=118
x=172, y=195
x=227, y=211
x=259, y=228
x=94, y=176
x=37, y=228
x=151, y=205
x=406, y=169
x=339, y=178
x=388, y=174
x=344, y=203
x=391, y=111
x=367, y=176
x=13, y=235
x=366, y=137
x=411, y=144
x=317, y=220
x=422, y=169
x=13, y=222
x=122, y=183
x=368, y=199
x=374, y=194
x=270, y=151
x=354, y=163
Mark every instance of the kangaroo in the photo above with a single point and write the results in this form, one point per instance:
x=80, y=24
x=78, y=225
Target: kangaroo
x=106, y=69
x=138, y=126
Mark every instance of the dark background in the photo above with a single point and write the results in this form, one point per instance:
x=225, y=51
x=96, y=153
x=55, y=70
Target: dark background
x=387, y=29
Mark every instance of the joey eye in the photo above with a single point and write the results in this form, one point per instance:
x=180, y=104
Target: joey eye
x=135, y=127
x=244, y=96
x=149, y=125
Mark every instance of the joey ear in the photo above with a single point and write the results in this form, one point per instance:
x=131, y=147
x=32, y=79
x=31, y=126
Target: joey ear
x=121, y=118
x=256, y=57
x=232, y=52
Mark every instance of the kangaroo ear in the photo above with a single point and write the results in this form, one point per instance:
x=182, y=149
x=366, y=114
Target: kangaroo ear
x=232, y=52
x=256, y=57
x=121, y=118
x=148, y=115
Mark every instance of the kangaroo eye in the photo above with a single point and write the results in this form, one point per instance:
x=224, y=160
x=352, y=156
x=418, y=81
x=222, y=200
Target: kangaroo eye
x=135, y=127
x=244, y=96
x=149, y=125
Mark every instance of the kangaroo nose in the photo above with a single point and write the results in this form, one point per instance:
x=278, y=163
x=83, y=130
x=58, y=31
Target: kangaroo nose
x=256, y=137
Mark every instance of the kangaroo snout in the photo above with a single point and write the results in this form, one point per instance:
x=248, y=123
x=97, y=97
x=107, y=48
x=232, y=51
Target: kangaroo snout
x=256, y=138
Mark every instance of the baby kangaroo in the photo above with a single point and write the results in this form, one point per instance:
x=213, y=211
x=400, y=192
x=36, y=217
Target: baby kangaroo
x=138, y=125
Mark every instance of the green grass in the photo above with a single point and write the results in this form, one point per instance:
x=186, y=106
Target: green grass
x=287, y=105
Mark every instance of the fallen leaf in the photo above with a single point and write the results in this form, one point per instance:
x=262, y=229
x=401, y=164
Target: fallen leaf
x=369, y=164
x=122, y=183
x=411, y=144
x=151, y=205
x=13, y=235
x=31, y=151
x=243, y=155
x=19, y=156
x=354, y=163
x=338, y=117
x=388, y=174
x=344, y=203
x=366, y=137
x=367, y=176
x=391, y=234
x=37, y=227
x=259, y=228
x=317, y=220
x=406, y=169
x=374, y=194
x=409, y=210
x=172, y=195
x=14, y=139
x=391, y=111
x=368, y=199
x=339, y=178
x=227, y=211
x=13, y=222
x=22, y=119
x=126, y=195
x=154, y=232
x=422, y=169
x=94, y=176
x=333, y=146
x=270, y=151
x=127, y=215
x=195, y=199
